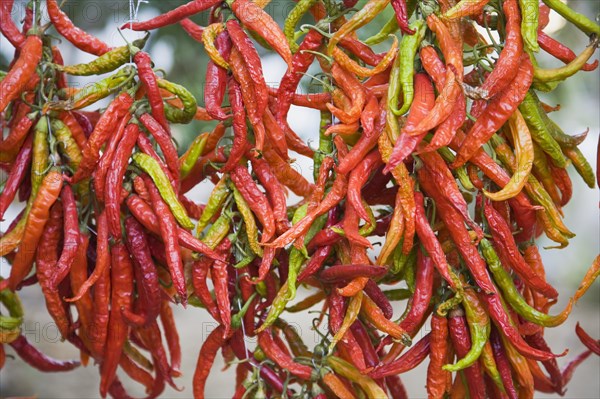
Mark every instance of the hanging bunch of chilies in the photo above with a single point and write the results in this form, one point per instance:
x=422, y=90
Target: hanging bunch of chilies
x=407, y=141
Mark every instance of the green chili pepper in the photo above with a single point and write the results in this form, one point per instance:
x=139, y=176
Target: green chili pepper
x=398, y=294
x=409, y=270
x=151, y=166
x=106, y=63
x=489, y=365
x=190, y=105
x=189, y=159
x=579, y=20
x=512, y=295
x=95, y=91
x=351, y=315
x=11, y=302
x=292, y=20
x=297, y=258
x=530, y=10
x=215, y=202
x=390, y=27
x=10, y=323
x=582, y=166
x=67, y=143
x=41, y=154
x=249, y=222
x=479, y=328
x=562, y=73
x=325, y=144
x=406, y=60
x=218, y=231
x=539, y=130
x=347, y=370
x=236, y=319
x=461, y=172
x=534, y=189
x=277, y=307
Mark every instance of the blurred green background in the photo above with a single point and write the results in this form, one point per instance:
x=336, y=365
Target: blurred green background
x=184, y=61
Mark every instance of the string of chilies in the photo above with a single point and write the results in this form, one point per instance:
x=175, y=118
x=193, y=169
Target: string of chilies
x=407, y=142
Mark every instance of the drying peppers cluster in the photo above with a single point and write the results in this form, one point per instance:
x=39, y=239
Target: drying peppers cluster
x=436, y=168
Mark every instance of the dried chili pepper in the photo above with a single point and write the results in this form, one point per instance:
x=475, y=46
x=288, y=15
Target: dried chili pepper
x=77, y=36
x=173, y=16
x=22, y=70
x=121, y=276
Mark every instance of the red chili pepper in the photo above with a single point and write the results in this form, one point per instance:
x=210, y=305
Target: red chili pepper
x=77, y=36
x=38, y=360
x=560, y=51
x=70, y=237
x=22, y=71
x=173, y=16
x=172, y=337
x=348, y=344
x=114, y=179
x=402, y=16
x=8, y=27
x=503, y=365
x=507, y=66
x=376, y=294
x=396, y=387
x=301, y=61
x=283, y=360
x=105, y=126
x=536, y=340
x=421, y=106
x=257, y=20
x=253, y=63
x=17, y=173
x=206, y=358
x=591, y=343
x=507, y=249
x=256, y=200
x=152, y=340
x=105, y=162
x=148, y=79
x=364, y=340
x=170, y=235
x=447, y=185
x=101, y=274
x=216, y=80
x=430, y=241
x=147, y=305
x=239, y=126
x=422, y=295
x=352, y=88
x=164, y=141
x=219, y=277
x=121, y=276
x=38, y=216
x=366, y=143
x=339, y=273
x=315, y=262
x=46, y=258
x=275, y=192
x=145, y=215
x=572, y=366
x=459, y=334
x=497, y=112
x=21, y=125
x=68, y=118
x=411, y=359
